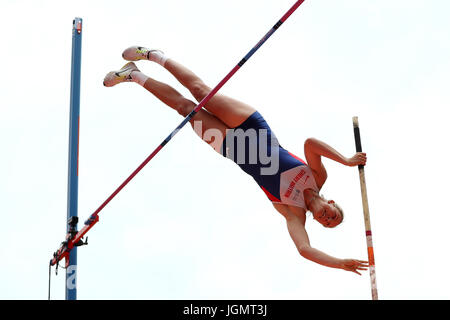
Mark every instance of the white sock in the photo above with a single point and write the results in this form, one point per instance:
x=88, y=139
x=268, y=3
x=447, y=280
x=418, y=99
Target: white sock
x=138, y=77
x=158, y=57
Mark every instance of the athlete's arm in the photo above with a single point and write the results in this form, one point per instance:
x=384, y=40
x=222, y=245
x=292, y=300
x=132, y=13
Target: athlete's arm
x=298, y=234
x=297, y=231
x=315, y=149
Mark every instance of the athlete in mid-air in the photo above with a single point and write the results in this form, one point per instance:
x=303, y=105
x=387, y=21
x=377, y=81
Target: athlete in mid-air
x=239, y=132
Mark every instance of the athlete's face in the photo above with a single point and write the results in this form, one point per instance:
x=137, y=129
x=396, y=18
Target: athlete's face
x=327, y=214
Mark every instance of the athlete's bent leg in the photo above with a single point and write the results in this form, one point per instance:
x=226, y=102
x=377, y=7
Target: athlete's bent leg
x=208, y=127
x=231, y=111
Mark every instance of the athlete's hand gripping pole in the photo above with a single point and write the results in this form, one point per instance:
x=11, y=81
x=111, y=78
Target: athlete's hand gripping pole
x=365, y=203
x=93, y=219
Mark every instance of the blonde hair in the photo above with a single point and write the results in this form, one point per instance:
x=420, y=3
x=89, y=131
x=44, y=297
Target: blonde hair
x=336, y=206
x=340, y=210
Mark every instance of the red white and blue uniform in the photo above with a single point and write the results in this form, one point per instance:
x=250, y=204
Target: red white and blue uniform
x=285, y=185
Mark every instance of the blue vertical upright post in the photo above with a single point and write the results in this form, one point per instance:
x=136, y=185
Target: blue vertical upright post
x=72, y=191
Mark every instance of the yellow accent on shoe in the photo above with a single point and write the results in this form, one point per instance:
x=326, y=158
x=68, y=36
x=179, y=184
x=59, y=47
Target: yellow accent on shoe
x=119, y=76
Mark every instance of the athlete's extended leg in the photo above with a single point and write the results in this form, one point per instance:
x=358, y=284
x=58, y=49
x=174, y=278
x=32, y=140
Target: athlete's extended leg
x=231, y=111
x=207, y=126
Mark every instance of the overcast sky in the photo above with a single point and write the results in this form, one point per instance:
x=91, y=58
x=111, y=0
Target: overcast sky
x=192, y=225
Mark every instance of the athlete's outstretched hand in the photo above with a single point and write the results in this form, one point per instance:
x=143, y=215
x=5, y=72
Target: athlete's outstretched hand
x=357, y=159
x=354, y=265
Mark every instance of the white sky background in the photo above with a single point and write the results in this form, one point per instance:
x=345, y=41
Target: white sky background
x=192, y=225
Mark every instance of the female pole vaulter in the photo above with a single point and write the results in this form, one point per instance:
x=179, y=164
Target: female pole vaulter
x=239, y=132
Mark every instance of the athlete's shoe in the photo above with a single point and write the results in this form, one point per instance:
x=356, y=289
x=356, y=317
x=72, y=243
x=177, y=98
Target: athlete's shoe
x=122, y=75
x=138, y=53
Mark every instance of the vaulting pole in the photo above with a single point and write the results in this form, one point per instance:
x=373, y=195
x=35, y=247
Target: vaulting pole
x=365, y=203
x=72, y=190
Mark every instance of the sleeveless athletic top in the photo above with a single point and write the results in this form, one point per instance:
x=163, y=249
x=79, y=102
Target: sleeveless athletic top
x=281, y=175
